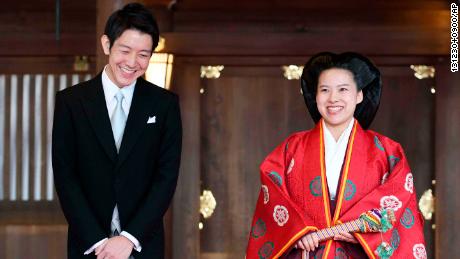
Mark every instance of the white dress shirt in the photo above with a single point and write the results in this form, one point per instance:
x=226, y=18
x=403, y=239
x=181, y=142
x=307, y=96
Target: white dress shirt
x=335, y=154
x=110, y=90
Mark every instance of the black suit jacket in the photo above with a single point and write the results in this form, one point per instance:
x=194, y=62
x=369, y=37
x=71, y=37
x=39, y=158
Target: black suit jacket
x=90, y=177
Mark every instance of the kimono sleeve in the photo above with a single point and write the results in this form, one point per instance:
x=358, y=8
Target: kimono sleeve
x=398, y=193
x=278, y=222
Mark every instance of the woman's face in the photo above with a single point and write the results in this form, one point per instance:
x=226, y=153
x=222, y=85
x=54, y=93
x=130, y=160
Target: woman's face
x=337, y=96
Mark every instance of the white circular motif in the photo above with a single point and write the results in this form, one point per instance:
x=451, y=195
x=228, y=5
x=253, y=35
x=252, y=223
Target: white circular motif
x=280, y=215
x=291, y=165
x=409, y=185
x=391, y=202
x=385, y=177
x=419, y=251
x=266, y=195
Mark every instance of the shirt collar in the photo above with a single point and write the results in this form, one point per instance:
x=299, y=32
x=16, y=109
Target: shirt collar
x=111, y=89
x=330, y=140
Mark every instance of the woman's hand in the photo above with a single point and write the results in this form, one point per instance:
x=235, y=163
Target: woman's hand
x=308, y=243
x=345, y=237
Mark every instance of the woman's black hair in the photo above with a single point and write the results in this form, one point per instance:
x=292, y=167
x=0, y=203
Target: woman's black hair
x=365, y=74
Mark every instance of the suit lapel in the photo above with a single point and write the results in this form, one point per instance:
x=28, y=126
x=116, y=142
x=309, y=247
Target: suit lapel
x=96, y=110
x=137, y=119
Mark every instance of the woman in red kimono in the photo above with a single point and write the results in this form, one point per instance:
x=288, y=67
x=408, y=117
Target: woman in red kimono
x=336, y=171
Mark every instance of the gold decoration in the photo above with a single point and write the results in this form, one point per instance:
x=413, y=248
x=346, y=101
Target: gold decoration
x=426, y=204
x=211, y=72
x=207, y=204
x=81, y=64
x=423, y=71
x=292, y=72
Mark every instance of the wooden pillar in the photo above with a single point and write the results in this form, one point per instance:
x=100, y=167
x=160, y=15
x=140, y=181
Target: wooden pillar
x=447, y=161
x=186, y=235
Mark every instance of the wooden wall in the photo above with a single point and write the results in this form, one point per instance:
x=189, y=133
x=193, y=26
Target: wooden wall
x=447, y=161
x=32, y=230
x=28, y=28
x=240, y=34
x=28, y=43
x=278, y=28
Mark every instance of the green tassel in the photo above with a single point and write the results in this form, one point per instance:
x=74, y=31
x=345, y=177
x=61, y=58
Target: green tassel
x=385, y=221
x=384, y=250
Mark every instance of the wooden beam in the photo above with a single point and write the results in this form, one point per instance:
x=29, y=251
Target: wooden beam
x=394, y=42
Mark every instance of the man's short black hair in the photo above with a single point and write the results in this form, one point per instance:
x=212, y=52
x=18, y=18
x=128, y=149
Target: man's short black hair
x=132, y=16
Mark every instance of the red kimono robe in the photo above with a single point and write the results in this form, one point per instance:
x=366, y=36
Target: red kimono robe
x=294, y=197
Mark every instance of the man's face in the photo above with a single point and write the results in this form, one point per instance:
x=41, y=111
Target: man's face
x=129, y=56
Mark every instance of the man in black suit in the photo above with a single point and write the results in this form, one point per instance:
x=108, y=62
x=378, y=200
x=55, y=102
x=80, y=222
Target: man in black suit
x=116, y=148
